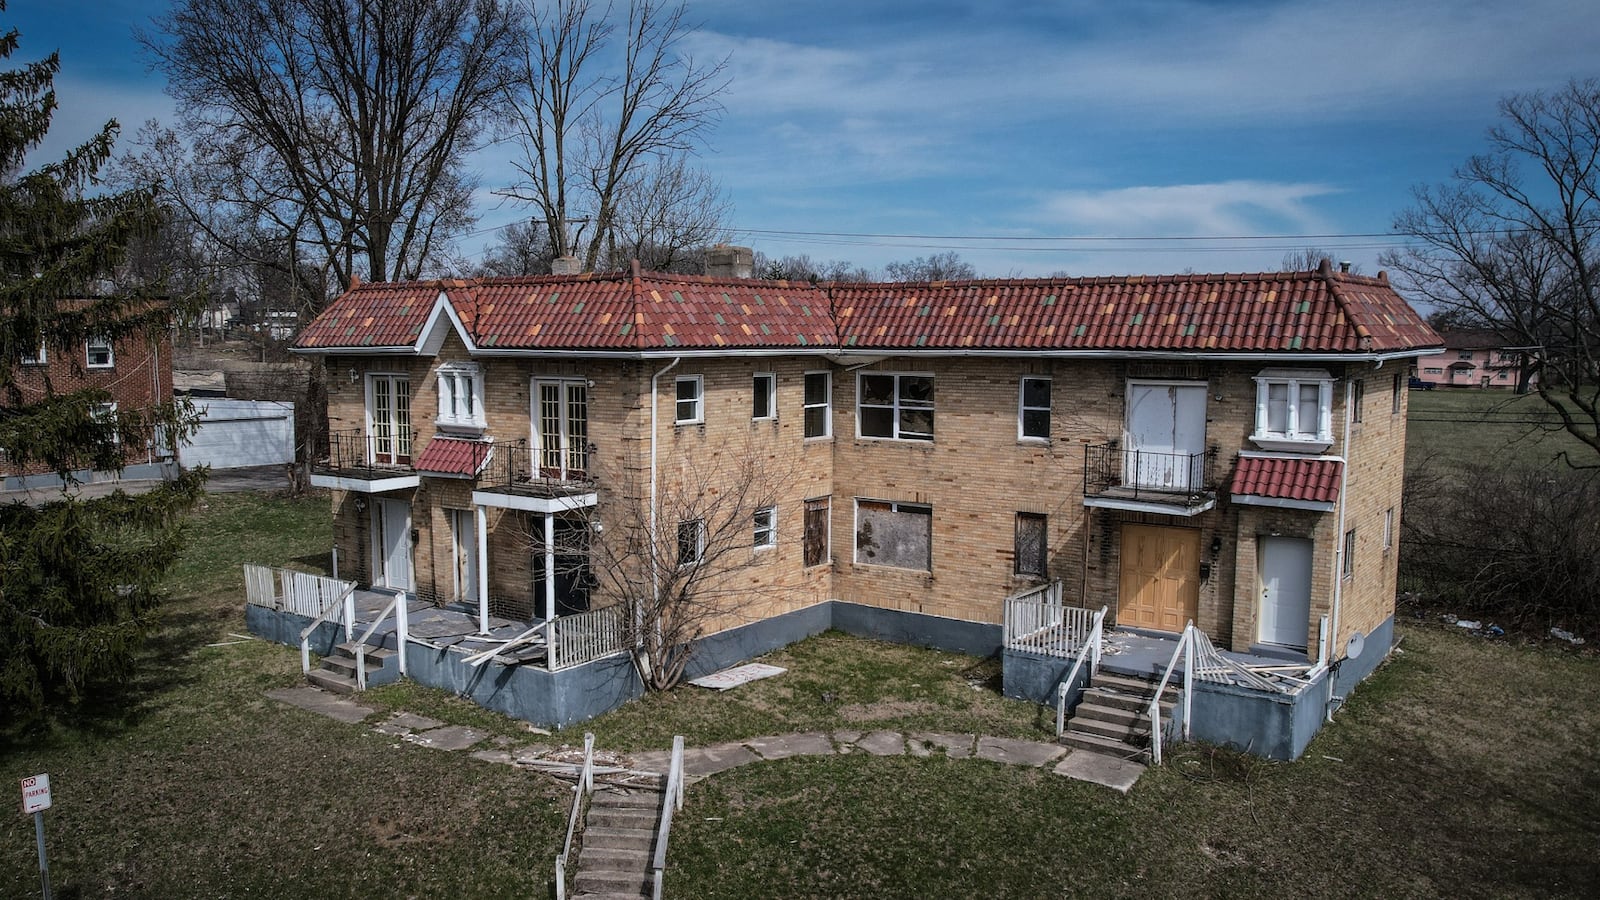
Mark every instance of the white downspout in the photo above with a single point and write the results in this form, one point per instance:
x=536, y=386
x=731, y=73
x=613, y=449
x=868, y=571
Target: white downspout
x=483, y=566
x=655, y=584
x=1338, y=543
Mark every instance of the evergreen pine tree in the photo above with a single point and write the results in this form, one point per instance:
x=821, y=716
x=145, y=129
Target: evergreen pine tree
x=80, y=579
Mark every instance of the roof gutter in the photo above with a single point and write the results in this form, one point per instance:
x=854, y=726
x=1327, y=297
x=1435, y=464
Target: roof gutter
x=839, y=355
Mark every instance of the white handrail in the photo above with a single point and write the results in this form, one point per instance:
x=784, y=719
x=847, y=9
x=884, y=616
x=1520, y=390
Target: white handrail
x=361, y=645
x=1185, y=647
x=347, y=605
x=1090, y=652
x=671, y=802
x=583, y=788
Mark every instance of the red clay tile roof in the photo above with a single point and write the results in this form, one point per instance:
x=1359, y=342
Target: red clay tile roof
x=453, y=456
x=1297, y=312
x=1285, y=478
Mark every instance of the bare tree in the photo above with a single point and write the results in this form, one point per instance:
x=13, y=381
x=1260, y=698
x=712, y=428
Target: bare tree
x=521, y=250
x=804, y=268
x=1309, y=259
x=1511, y=244
x=946, y=266
x=667, y=215
x=340, y=123
x=597, y=104
x=683, y=565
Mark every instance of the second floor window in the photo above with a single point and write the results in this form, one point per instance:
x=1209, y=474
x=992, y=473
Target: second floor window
x=764, y=396
x=389, y=418
x=1293, y=409
x=37, y=358
x=690, y=407
x=460, y=397
x=561, y=428
x=1033, y=415
x=895, y=406
x=97, y=350
x=766, y=528
x=691, y=542
x=819, y=404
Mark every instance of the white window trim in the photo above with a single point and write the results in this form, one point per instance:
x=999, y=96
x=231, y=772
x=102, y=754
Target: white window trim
x=103, y=411
x=699, y=526
x=454, y=373
x=1293, y=378
x=88, y=349
x=772, y=396
x=895, y=408
x=1388, y=529
x=826, y=405
x=895, y=506
x=40, y=358
x=394, y=379
x=770, y=528
x=699, y=401
x=1023, y=409
x=1347, y=560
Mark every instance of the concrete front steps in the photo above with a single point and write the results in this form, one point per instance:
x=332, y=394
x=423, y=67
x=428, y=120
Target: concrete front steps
x=1113, y=717
x=338, y=670
x=619, y=837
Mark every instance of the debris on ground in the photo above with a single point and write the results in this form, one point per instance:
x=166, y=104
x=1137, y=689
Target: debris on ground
x=1569, y=637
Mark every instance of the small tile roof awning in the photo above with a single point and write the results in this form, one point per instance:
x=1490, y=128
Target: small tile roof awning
x=460, y=457
x=1294, y=482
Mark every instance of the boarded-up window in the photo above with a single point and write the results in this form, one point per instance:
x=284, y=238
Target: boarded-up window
x=816, y=539
x=894, y=534
x=1031, y=544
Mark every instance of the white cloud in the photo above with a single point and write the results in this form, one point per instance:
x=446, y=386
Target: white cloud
x=1220, y=208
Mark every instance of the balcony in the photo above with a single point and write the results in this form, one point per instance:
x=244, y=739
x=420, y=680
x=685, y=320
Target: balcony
x=1174, y=484
x=368, y=463
x=527, y=478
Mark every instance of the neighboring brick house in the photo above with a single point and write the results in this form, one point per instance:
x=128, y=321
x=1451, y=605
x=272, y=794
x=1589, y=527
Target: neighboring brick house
x=1475, y=358
x=135, y=371
x=1226, y=449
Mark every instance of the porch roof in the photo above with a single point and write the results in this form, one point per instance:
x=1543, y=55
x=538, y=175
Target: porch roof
x=454, y=456
x=1298, y=479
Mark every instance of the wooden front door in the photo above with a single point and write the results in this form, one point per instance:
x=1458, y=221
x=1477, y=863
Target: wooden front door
x=1160, y=578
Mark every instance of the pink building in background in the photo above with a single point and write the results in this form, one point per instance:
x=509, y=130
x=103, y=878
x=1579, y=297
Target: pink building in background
x=1473, y=359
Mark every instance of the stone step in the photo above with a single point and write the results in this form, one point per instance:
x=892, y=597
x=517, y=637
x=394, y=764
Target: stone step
x=620, y=838
x=613, y=882
x=345, y=666
x=641, y=818
x=374, y=651
x=1133, y=734
x=614, y=859
x=1087, y=709
x=1094, y=743
x=1125, y=696
x=611, y=895
x=331, y=681
x=641, y=799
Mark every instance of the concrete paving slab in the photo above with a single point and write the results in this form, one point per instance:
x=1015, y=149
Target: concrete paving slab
x=413, y=721
x=699, y=762
x=1018, y=753
x=783, y=746
x=955, y=746
x=846, y=737
x=494, y=756
x=652, y=760
x=391, y=728
x=450, y=737
x=1097, y=768
x=323, y=703
x=883, y=743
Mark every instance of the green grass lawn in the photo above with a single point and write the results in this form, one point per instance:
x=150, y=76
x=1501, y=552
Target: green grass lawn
x=1461, y=426
x=1464, y=767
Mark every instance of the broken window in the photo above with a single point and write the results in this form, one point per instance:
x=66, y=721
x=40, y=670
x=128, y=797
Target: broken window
x=1031, y=545
x=895, y=406
x=816, y=538
x=894, y=534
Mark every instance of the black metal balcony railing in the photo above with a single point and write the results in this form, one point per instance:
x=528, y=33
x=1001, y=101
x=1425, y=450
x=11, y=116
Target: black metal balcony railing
x=516, y=468
x=356, y=453
x=1110, y=470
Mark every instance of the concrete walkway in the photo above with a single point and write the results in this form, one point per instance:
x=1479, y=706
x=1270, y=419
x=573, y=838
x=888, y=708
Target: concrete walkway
x=703, y=762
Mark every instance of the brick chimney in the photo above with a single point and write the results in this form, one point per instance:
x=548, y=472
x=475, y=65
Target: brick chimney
x=726, y=261
x=566, y=265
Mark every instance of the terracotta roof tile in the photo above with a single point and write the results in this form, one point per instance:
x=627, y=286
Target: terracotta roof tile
x=453, y=456
x=1287, y=478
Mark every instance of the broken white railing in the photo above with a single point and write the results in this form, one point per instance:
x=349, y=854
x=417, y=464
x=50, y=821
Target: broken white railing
x=1088, y=653
x=671, y=802
x=1037, y=621
x=1186, y=649
x=586, y=636
x=580, y=792
x=401, y=631
x=346, y=607
x=289, y=591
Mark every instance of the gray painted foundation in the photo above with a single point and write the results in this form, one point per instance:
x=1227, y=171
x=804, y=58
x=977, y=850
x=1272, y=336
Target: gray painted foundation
x=917, y=629
x=160, y=471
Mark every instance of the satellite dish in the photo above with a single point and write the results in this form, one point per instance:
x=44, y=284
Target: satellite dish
x=1353, y=647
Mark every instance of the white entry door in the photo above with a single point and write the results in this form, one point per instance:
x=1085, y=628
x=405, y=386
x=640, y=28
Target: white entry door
x=1166, y=425
x=1285, y=565
x=391, y=529
x=464, y=548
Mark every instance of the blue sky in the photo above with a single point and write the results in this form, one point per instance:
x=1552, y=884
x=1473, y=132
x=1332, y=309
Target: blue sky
x=988, y=127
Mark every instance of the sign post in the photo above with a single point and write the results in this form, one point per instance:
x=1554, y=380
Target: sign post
x=35, y=800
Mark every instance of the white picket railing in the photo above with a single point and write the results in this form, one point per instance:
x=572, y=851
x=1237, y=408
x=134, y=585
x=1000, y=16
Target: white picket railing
x=1038, y=622
x=584, y=637
x=287, y=590
x=1032, y=611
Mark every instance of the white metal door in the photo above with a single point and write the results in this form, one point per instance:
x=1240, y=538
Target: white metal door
x=1285, y=591
x=1166, y=424
x=463, y=529
x=392, y=537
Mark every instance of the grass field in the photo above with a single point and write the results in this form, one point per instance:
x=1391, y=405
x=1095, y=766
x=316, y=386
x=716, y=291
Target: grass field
x=1464, y=767
x=1487, y=427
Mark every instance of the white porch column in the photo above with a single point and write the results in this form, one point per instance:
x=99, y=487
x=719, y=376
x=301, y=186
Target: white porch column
x=549, y=566
x=482, y=541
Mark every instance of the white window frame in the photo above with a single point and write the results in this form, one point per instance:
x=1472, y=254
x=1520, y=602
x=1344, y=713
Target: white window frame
x=103, y=411
x=1023, y=409
x=896, y=406
x=458, y=383
x=1293, y=438
x=697, y=404
x=699, y=526
x=89, y=347
x=401, y=433
x=567, y=455
x=894, y=506
x=42, y=357
x=1388, y=529
x=1347, y=564
x=770, y=392
x=826, y=405
x=765, y=524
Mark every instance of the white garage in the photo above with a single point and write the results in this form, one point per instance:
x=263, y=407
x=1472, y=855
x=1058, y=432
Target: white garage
x=237, y=433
